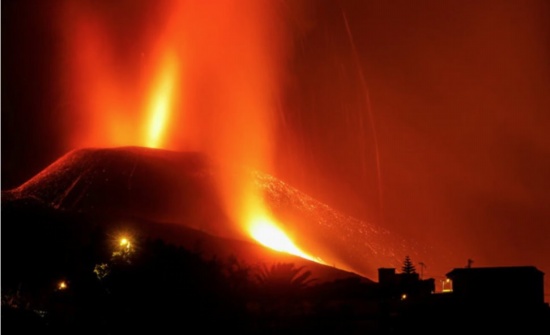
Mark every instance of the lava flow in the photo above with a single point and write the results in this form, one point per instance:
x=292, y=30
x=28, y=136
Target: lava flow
x=187, y=76
x=160, y=188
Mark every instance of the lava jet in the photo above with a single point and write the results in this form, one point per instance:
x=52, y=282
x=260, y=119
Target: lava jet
x=175, y=195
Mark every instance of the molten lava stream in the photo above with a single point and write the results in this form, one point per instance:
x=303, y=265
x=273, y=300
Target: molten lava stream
x=266, y=232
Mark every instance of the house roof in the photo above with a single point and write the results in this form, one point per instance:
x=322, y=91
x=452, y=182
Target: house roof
x=493, y=271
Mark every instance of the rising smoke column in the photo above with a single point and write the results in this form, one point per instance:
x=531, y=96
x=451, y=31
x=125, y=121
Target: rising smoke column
x=235, y=56
x=120, y=69
x=182, y=75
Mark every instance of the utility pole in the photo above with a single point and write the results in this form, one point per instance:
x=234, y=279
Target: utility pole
x=422, y=266
x=470, y=261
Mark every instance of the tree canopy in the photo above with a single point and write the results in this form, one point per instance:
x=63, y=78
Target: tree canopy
x=408, y=267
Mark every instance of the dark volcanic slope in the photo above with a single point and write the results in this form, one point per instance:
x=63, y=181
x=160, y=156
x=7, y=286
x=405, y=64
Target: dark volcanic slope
x=130, y=182
x=179, y=188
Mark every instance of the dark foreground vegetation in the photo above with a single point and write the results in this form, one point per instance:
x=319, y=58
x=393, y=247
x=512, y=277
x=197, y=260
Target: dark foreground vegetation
x=68, y=274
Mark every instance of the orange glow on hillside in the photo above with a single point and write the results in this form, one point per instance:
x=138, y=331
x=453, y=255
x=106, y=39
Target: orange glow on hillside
x=263, y=228
x=270, y=235
x=181, y=75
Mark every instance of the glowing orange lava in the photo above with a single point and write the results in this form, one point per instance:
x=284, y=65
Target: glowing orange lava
x=270, y=235
x=161, y=103
x=128, y=67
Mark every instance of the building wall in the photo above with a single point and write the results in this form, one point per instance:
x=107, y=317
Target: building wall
x=507, y=285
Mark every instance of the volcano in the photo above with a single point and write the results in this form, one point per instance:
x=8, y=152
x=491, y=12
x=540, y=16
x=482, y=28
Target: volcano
x=174, y=195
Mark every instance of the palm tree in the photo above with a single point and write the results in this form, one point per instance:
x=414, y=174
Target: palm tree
x=283, y=277
x=281, y=289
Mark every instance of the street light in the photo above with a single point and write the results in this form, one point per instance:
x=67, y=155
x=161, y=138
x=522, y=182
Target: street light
x=124, y=242
x=62, y=285
x=124, y=248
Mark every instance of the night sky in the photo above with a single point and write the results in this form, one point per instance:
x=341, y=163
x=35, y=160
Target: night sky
x=430, y=118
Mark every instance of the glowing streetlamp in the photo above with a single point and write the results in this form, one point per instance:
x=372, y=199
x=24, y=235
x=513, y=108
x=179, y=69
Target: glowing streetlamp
x=124, y=249
x=125, y=243
x=62, y=285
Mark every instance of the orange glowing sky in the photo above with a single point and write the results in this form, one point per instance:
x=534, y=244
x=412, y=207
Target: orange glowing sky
x=207, y=81
x=458, y=97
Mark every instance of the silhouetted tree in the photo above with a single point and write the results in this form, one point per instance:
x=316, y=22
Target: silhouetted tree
x=283, y=276
x=408, y=266
x=237, y=274
x=281, y=296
